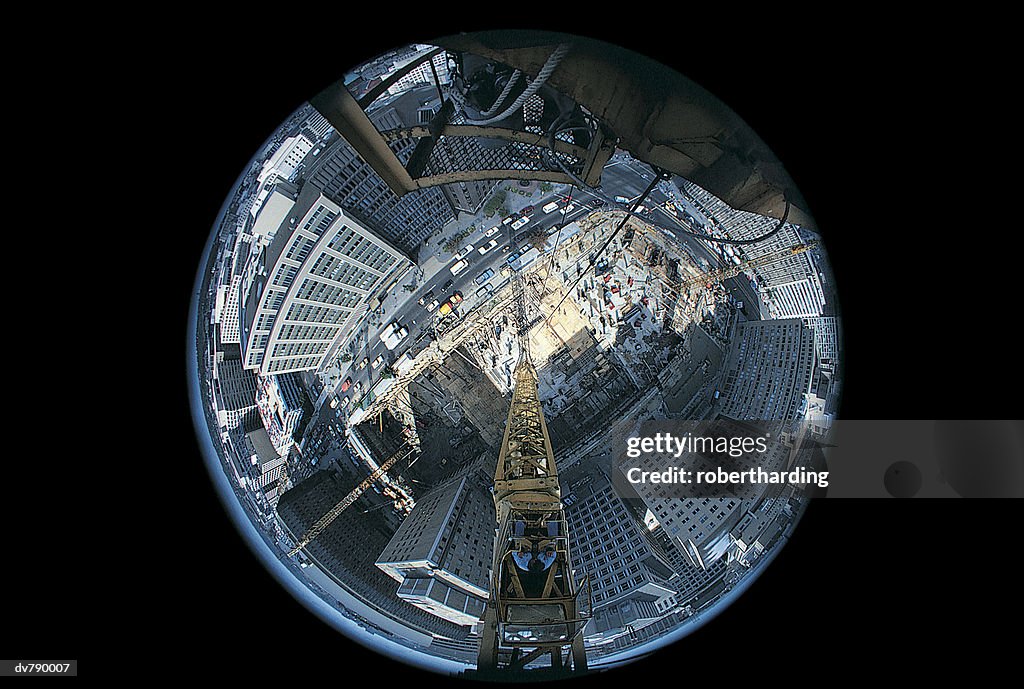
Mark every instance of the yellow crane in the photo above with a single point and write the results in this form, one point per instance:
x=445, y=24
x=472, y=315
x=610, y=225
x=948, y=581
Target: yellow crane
x=536, y=606
x=321, y=525
x=732, y=271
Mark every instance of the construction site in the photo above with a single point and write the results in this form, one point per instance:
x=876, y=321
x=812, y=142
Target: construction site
x=443, y=524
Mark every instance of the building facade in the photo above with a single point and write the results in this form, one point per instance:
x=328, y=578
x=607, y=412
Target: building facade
x=349, y=182
x=234, y=387
x=310, y=285
x=791, y=286
x=279, y=400
x=770, y=368
x=703, y=526
x=629, y=576
x=441, y=554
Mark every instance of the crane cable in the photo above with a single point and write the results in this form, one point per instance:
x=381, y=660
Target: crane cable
x=549, y=156
x=549, y=66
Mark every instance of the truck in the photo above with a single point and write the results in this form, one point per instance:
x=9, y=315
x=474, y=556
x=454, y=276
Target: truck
x=393, y=335
x=404, y=364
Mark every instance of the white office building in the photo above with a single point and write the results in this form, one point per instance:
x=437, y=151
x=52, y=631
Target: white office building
x=310, y=285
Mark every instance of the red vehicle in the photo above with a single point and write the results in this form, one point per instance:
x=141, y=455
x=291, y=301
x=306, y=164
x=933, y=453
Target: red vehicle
x=527, y=210
x=346, y=385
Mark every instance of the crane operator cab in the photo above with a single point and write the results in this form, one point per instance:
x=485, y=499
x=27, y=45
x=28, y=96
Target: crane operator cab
x=540, y=603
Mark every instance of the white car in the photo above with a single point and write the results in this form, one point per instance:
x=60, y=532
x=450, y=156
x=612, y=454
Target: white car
x=466, y=251
x=487, y=247
x=378, y=361
x=459, y=267
x=491, y=232
x=570, y=208
x=431, y=306
x=551, y=207
x=520, y=223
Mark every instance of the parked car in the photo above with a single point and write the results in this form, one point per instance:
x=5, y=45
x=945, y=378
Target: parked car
x=487, y=247
x=363, y=363
x=465, y=251
x=431, y=306
x=426, y=297
x=459, y=267
x=378, y=361
x=344, y=387
x=484, y=276
x=491, y=232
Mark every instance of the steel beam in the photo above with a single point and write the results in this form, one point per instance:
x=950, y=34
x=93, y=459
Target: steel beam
x=343, y=112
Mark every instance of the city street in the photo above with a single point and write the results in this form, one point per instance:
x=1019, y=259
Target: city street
x=622, y=177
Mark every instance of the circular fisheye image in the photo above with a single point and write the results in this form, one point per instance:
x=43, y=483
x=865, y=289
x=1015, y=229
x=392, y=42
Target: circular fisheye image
x=467, y=322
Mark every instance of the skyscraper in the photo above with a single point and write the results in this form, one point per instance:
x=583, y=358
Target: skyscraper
x=629, y=577
x=353, y=185
x=346, y=549
x=769, y=370
x=279, y=400
x=234, y=387
x=702, y=526
x=310, y=285
x=441, y=554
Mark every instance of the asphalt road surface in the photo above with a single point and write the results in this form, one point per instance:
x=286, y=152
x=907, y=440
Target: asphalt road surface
x=620, y=178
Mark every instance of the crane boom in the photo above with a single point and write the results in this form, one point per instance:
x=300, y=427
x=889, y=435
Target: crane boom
x=758, y=262
x=536, y=606
x=321, y=525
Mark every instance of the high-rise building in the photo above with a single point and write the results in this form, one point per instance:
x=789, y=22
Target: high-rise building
x=826, y=340
x=310, y=285
x=234, y=387
x=769, y=370
x=315, y=126
x=353, y=185
x=228, y=312
x=279, y=400
x=266, y=465
x=281, y=166
x=629, y=577
x=345, y=551
x=701, y=526
x=790, y=286
x=441, y=554
x=422, y=74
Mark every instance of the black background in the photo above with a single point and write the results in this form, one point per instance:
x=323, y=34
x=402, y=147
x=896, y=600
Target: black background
x=889, y=137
